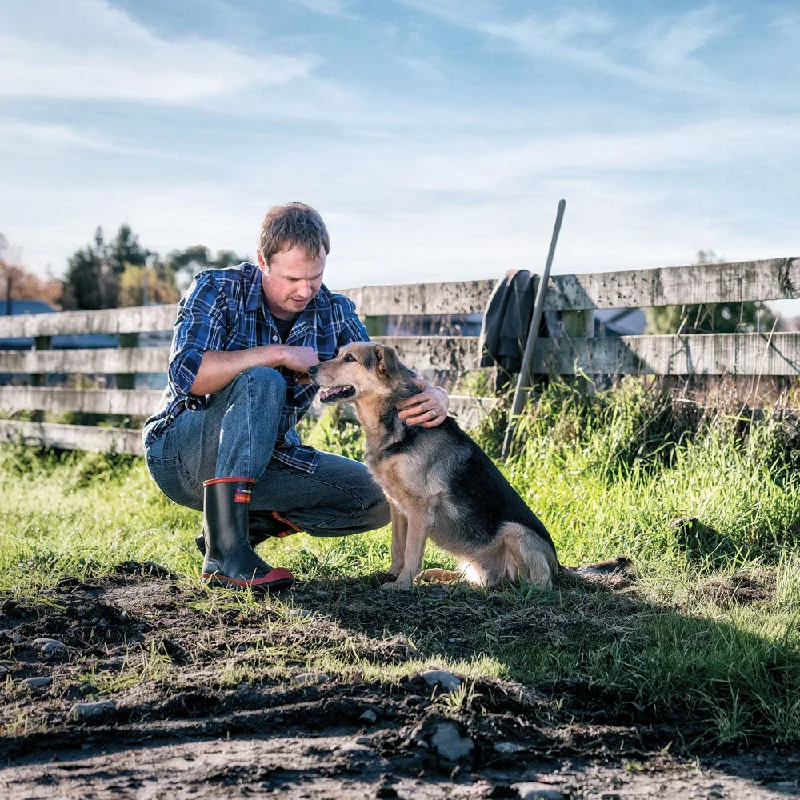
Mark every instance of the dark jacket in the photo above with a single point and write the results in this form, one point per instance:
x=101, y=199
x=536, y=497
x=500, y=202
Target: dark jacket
x=506, y=321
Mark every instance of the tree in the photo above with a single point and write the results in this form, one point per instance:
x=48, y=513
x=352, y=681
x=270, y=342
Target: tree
x=24, y=284
x=710, y=317
x=142, y=285
x=185, y=264
x=94, y=272
x=123, y=273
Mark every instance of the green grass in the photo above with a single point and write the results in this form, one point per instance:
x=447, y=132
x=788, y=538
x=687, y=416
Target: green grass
x=711, y=629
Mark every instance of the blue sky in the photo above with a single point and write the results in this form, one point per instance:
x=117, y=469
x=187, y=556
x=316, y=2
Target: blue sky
x=435, y=136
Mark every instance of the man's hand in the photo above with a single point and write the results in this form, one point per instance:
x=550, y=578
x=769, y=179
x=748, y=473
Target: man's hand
x=219, y=367
x=298, y=360
x=428, y=408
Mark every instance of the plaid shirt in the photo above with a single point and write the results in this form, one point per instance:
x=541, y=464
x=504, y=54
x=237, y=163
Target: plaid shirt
x=224, y=309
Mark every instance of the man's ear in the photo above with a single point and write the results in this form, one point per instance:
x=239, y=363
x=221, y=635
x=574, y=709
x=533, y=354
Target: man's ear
x=388, y=363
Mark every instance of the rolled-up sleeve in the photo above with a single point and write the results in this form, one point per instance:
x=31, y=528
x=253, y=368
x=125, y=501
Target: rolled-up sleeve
x=200, y=326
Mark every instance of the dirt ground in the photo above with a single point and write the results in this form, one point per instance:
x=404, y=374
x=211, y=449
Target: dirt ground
x=184, y=717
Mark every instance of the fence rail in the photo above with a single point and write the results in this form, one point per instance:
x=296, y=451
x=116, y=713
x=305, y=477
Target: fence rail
x=576, y=296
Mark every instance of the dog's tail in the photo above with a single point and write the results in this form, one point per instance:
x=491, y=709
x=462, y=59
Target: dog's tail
x=527, y=556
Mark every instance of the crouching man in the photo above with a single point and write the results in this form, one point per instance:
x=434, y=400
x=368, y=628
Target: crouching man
x=223, y=439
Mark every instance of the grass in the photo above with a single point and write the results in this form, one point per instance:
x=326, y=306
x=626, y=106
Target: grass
x=707, y=504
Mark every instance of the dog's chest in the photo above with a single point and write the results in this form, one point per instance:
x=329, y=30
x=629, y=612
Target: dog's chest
x=402, y=479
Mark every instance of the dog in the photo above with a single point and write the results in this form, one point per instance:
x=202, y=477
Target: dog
x=439, y=483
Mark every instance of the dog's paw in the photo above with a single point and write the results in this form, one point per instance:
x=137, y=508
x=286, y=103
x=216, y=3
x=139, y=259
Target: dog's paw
x=395, y=586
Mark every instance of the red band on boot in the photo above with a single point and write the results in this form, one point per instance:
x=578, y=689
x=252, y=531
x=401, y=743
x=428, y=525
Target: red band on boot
x=228, y=480
x=275, y=576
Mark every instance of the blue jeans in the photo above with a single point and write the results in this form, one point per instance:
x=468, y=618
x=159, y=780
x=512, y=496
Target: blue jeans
x=234, y=436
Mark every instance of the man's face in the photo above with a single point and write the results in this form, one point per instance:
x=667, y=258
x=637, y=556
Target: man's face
x=292, y=280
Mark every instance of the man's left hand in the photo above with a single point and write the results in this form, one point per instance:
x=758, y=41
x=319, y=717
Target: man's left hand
x=428, y=408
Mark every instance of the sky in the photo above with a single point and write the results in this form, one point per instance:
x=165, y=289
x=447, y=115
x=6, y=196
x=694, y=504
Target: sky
x=436, y=137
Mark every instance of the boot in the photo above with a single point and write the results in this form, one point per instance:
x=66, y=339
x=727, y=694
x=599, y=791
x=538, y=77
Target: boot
x=229, y=558
x=263, y=525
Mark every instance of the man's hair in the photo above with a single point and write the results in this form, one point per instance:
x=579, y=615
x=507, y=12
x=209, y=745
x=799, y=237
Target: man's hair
x=293, y=225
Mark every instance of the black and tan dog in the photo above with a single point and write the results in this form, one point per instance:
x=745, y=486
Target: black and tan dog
x=439, y=483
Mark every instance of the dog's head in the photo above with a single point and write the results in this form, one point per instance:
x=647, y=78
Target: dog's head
x=361, y=369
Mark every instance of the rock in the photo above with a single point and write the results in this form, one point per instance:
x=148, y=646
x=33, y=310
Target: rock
x=3, y=671
x=370, y=717
x=354, y=747
x=306, y=678
x=49, y=645
x=449, y=743
x=91, y=710
x=16, y=638
x=36, y=683
x=537, y=791
x=438, y=677
x=508, y=747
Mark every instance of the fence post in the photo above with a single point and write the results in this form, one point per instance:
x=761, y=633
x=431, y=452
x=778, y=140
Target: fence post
x=579, y=325
x=126, y=380
x=38, y=378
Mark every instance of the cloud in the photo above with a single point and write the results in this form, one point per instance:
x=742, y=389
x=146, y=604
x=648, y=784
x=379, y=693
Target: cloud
x=672, y=45
x=330, y=8
x=598, y=43
x=86, y=49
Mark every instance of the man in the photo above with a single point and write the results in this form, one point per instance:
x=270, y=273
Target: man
x=223, y=438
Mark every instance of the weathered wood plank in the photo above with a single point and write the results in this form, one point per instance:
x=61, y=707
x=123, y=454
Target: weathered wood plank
x=138, y=319
x=455, y=353
x=699, y=354
x=90, y=401
x=85, y=362
x=771, y=279
x=72, y=437
x=454, y=297
x=696, y=354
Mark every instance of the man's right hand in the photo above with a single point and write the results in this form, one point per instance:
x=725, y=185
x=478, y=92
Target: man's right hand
x=219, y=368
x=299, y=359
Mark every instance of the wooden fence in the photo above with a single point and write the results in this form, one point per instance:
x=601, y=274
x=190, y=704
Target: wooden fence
x=574, y=352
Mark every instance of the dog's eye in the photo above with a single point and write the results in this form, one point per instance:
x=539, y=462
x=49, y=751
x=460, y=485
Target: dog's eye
x=349, y=357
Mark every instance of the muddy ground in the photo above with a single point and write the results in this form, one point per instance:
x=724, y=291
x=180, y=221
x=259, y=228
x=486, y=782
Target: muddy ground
x=197, y=703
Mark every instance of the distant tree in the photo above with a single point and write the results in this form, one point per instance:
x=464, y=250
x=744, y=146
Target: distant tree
x=185, y=264
x=24, y=284
x=85, y=282
x=94, y=272
x=710, y=317
x=142, y=285
x=122, y=272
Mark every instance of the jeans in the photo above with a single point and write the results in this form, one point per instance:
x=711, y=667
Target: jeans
x=234, y=436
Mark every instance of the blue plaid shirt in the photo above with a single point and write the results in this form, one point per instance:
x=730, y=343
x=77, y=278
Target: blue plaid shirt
x=224, y=309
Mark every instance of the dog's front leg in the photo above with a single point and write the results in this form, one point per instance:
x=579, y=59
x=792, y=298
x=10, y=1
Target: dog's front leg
x=420, y=523
x=399, y=528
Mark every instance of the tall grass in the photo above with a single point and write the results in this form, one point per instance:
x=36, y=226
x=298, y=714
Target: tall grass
x=697, y=498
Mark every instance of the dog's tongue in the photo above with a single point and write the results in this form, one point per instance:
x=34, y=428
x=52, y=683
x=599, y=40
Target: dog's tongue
x=326, y=393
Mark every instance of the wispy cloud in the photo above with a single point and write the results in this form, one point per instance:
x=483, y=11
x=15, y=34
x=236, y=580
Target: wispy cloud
x=88, y=50
x=330, y=8
x=16, y=135
x=658, y=57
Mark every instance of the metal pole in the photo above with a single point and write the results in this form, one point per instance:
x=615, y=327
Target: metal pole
x=524, y=379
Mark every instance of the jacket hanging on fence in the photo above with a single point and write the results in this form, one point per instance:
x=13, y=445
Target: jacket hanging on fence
x=506, y=321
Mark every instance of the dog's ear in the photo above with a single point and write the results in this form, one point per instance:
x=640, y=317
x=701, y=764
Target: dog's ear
x=388, y=363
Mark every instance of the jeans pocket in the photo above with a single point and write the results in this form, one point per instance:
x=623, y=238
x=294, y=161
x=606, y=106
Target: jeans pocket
x=174, y=480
